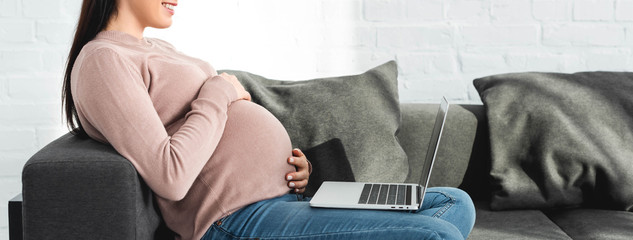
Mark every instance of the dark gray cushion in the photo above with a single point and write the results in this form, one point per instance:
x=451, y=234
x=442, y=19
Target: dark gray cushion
x=329, y=163
x=594, y=223
x=476, y=180
x=517, y=224
x=362, y=111
x=560, y=140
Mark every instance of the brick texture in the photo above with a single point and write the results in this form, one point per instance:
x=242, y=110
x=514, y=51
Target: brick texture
x=440, y=45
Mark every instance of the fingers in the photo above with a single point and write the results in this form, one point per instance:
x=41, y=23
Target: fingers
x=299, y=160
x=299, y=190
x=297, y=152
x=298, y=184
x=241, y=92
x=248, y=96
x=303, y=169
x=299, y=179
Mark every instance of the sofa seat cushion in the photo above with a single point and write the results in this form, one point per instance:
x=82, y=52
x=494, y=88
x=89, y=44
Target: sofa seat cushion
x=594, y=223
x=515, y=224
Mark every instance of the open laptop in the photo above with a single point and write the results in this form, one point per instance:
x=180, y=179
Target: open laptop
x=385, y=196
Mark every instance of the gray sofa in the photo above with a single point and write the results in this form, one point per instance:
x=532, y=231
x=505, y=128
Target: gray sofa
x=81, y=189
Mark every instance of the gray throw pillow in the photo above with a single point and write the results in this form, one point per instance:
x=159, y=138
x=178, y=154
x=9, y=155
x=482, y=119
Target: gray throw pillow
x=363, y=111
x=560, y=140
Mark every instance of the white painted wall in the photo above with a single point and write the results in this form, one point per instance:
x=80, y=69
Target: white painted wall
x=440, y=46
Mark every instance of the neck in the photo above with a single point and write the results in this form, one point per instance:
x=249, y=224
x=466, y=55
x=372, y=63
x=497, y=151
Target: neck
x=126, y=23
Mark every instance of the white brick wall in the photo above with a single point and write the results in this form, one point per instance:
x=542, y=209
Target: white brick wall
x=440, y=45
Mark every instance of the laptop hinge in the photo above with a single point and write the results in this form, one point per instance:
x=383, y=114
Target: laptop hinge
x=419, y=190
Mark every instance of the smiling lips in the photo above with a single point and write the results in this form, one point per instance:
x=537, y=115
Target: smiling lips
x=170, y=7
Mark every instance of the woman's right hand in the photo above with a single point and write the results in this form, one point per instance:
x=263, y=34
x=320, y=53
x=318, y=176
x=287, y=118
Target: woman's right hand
x=241, y=92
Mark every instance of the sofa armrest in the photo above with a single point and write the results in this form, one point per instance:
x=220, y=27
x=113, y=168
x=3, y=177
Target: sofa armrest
x=81, y=189
x=15, y=218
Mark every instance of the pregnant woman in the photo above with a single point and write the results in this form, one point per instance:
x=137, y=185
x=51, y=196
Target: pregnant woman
x=221, y=166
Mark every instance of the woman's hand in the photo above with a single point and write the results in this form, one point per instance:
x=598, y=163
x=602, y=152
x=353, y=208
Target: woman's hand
x=299, y=179
x=241, y=92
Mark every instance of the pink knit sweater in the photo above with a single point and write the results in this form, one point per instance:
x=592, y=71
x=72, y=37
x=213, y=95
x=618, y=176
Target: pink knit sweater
x=204, y=153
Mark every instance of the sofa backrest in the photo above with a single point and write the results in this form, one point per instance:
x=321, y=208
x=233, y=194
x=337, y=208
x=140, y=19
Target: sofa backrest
x=88, y=184
x=464, y=152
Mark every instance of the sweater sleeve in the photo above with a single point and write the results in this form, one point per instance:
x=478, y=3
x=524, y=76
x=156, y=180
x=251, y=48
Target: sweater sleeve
x=113, y=98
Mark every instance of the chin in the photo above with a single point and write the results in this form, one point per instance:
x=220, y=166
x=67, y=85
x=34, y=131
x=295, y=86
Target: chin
x=163, y=25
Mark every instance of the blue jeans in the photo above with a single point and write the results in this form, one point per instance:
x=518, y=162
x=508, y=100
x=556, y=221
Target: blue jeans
x=447, y=213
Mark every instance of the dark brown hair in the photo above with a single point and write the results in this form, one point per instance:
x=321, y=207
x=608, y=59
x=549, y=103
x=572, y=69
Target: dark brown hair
x=94, y=17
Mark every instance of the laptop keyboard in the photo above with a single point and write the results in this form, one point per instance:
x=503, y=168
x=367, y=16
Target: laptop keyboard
x=392, y=194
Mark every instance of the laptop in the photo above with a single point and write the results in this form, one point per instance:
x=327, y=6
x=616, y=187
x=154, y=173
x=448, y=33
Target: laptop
x=383, y=196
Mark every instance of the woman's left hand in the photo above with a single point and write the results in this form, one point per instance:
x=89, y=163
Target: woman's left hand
x=299, y=180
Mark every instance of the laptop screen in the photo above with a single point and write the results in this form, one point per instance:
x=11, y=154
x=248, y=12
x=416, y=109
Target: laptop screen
x=434, y=143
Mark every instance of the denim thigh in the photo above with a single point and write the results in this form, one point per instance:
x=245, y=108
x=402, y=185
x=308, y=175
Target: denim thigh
x=288, y=217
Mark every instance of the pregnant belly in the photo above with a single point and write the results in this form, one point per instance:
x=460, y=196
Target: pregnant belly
x=251, y=158
x=255, y=132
